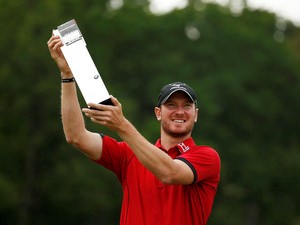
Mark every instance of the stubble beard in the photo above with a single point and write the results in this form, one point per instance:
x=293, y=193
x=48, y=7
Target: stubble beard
x=181, y=134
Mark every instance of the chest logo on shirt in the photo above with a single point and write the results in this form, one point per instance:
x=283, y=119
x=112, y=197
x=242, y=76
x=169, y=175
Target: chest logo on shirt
x=183, y=147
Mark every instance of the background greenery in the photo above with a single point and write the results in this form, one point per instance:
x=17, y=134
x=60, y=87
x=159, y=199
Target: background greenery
x=245, y=69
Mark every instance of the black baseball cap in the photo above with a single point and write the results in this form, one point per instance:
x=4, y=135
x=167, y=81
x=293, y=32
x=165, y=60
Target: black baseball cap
x=169, y=89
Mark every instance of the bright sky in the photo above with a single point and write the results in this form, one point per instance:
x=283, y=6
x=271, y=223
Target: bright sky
x=287, y=9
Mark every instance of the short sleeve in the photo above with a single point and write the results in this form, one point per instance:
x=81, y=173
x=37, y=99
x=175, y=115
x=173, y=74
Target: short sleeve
x=115, y=156
x=205, y=163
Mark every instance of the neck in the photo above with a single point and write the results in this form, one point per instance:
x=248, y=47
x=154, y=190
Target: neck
x=168, y=141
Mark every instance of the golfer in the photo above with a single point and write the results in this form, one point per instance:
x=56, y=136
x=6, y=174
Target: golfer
x=171, y=182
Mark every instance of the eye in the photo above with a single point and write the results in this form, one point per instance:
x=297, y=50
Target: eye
x=188, y=106
x=170, y=105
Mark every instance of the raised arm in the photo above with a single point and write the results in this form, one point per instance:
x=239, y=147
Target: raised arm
x=73, y=123
x=166, y=169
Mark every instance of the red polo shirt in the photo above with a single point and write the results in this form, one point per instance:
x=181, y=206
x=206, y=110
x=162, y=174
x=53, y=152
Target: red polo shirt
x=147, y=201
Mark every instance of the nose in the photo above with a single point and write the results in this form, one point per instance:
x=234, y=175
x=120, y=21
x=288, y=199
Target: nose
x=179, y=111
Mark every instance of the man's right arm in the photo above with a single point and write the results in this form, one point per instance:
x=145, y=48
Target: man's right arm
x=73, y=123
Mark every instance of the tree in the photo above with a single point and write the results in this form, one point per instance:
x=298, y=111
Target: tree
x=247, y=85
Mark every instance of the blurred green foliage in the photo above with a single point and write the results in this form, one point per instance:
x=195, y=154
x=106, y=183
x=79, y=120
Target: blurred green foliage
x=244, y=68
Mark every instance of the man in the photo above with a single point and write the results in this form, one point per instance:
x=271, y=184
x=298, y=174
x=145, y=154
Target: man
x=170, y=183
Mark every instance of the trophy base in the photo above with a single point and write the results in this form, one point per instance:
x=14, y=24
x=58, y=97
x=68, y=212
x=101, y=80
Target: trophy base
x=107, y=102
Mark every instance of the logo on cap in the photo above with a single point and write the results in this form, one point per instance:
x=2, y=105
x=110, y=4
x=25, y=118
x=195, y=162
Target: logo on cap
x=169, y=89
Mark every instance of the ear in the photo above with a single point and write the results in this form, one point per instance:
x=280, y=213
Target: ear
x=157, y=112
x=196, y=116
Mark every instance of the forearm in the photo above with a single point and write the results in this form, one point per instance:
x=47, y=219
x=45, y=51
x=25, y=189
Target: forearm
x=72, y=119
x=155, y=160
x=73, y=123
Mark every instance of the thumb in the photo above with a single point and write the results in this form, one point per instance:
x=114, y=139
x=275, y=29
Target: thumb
x=115, y=101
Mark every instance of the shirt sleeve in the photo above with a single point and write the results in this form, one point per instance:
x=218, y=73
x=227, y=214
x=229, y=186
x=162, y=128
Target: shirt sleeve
x=205, y=164
x=115, y=156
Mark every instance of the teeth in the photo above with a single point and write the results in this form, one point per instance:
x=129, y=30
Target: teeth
x=179, y=121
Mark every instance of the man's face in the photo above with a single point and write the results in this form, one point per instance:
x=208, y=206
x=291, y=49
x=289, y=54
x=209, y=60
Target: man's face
x=177, y=115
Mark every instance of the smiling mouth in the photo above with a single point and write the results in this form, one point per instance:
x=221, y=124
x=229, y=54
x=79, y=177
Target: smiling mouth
x=179, y=121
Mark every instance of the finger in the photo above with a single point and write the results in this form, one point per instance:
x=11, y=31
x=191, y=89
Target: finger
x=115, y=101
x=52, y=38
x=98, y=118
x=52, y=45
x=54, y=42
x=93, y=106
x=58, y=45
x=94, y=112
x=99, y=121
x=100, y=106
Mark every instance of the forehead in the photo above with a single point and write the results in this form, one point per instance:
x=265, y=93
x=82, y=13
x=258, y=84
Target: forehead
x=179, y=95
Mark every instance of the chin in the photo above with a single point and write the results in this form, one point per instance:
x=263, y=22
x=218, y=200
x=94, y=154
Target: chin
x=178, y=134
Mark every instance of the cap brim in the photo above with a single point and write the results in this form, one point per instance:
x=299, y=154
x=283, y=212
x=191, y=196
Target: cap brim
x=168, y=96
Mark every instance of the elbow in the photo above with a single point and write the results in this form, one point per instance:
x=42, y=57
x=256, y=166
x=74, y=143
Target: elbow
x=173, y=180
x=168, y=179
x=177, y=176
x=168, y=175
x=72, y=139
x=73, y=135
x=75, y=142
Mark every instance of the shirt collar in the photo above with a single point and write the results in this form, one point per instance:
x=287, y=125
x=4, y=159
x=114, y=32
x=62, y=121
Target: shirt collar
x=183, y=147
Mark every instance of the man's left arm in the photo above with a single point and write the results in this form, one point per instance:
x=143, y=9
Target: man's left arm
x=166, y=169
x=204, y=162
